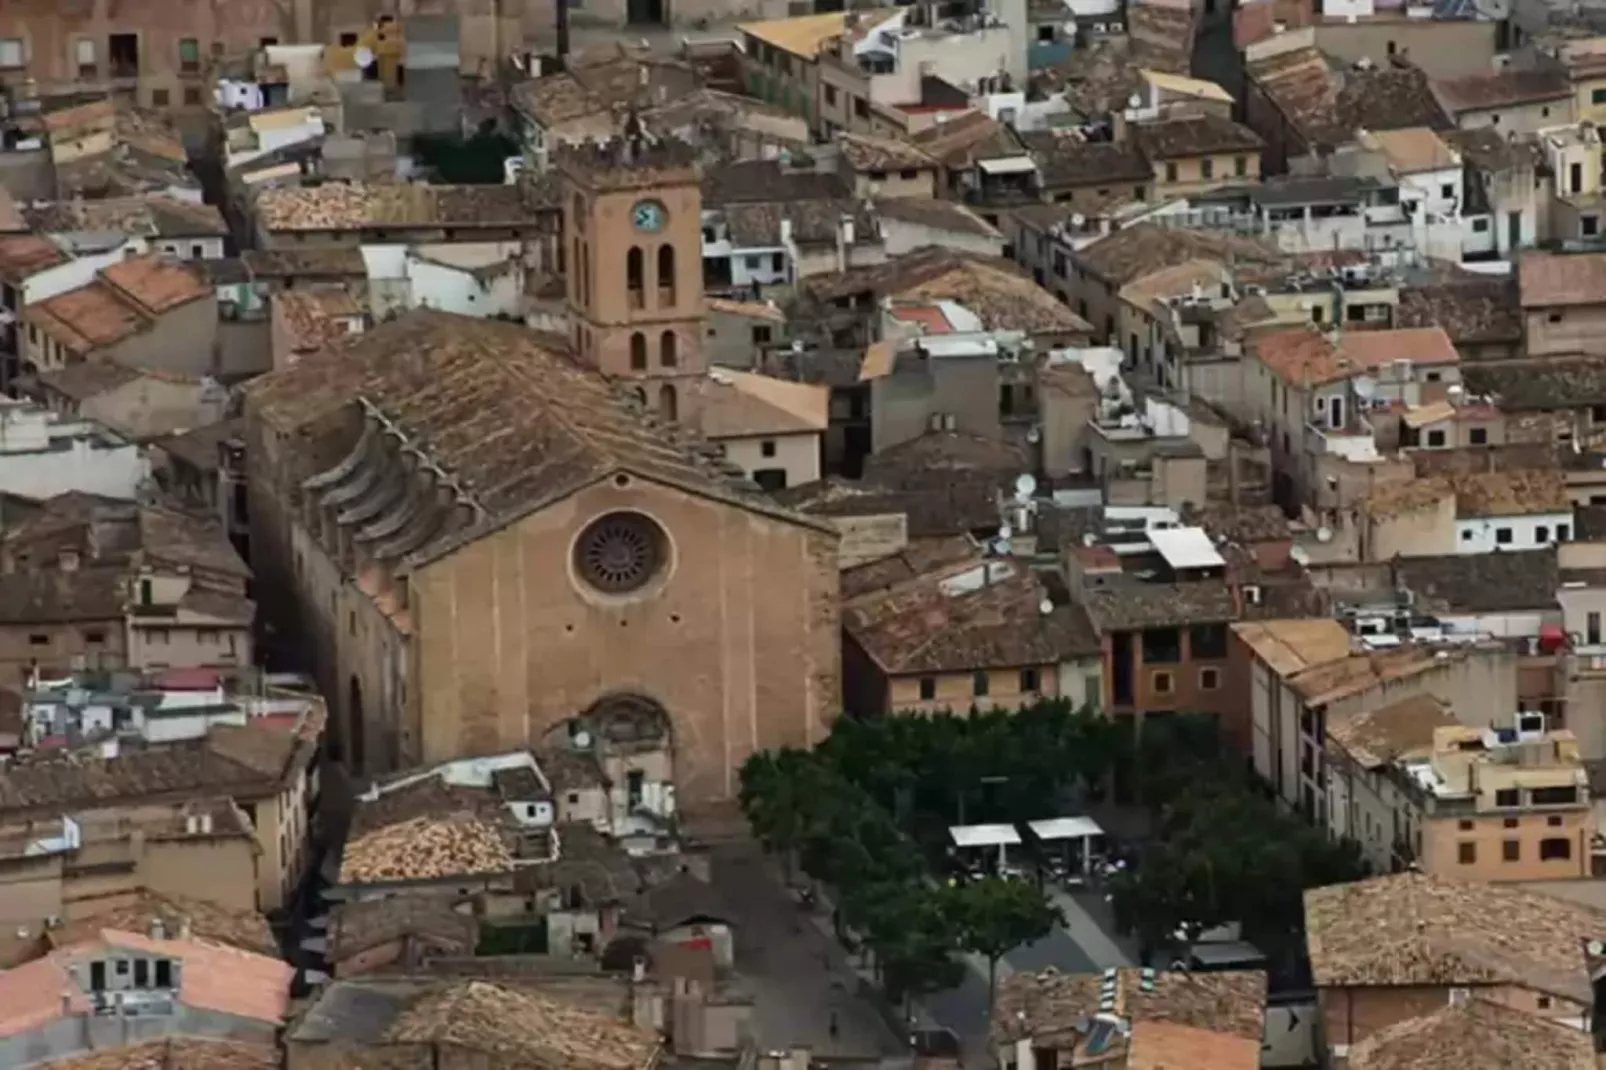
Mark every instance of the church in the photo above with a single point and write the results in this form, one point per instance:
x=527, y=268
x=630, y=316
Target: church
x=491, y=537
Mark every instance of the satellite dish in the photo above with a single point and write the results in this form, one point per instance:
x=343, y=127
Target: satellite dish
x=1299, y=555
x=1135, y=100
x=1365, y=388
x=1004, y=532
x=581, y=740
x=1324, y=534
x=1025, y=486
x=1078, y=219
x=1033, y=435
x=1596, y=948
x=363, y=57
x=1045, y=607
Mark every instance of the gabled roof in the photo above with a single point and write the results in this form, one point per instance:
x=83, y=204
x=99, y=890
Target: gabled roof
x=1415, y=929
x=1475, y=1034
x=515, y=422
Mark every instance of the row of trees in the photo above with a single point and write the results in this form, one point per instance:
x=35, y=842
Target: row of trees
x=867, y=810
x=801, y=807
x=1220, y=849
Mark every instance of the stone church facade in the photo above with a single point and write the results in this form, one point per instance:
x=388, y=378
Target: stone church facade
x=482, y=540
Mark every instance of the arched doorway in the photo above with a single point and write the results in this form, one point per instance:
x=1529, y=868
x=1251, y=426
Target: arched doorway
x=355, y=719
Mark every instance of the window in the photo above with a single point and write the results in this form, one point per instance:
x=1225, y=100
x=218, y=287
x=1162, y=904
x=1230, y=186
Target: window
x=1554, y=821
x=928, y=688
x=348, y=40
x=1562, y=531
x=861, y=107
x=1543, y=1003
x=1554, y=317
x=1598, y=96
x=1162, y=683
x=761, y=336
x=1207, y=641
x=830, y=96
x=159, y=98
x=1464, y=825
x=1240, y=166
x=1170, y=172
x=636, y=276
x=84, y=48
x=1447, y=192
x=1209, y=679
x=1563, y=796
x=1392, y=48
x=1467, y=854
x=978, y=683
x=11, y=54
x=142, y=973
x=192, y=97
x=638, y=352
x=95, y=635
x=1318, y=314
x=1589, y=225
x=189, y=55
x=1478, y=436
x=1029, y=681
x=1555, y=849
x=1592, y=629
x=1207, y=168
x=1480, y=226
x=1511, y=850
x=668, y=403
x=767, y=447
x=120, y=967
x=1541, y=533
x=909, y=174
x=164, y=973
x=1507, y=797
x=38, y=640
x=1435, y=438
x=666, y=275
x=1502, y=536
x=668, y=350
x=1511, y=822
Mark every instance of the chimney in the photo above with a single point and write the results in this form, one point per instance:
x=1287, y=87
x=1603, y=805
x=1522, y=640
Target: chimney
x=158, y=929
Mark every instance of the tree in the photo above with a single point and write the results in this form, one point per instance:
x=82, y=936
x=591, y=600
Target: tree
x=994, y=915
x=913, y=940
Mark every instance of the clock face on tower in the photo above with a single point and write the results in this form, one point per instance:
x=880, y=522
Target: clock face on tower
x=649, y=216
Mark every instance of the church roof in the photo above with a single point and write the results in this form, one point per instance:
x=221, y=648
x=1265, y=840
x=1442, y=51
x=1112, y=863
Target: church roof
x=502, y=410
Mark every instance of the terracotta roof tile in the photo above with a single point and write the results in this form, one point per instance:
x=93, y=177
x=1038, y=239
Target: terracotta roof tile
x=514, y=421
x=1146, y=247
x=1419, y=929
x=1379, y=737
x=969, y=138
x=1478, y=1034
x=1051, y=1004
x=920, y=627
x=1483, y=312
x=246, y=930
x=156, y=284
x=864, y=152
x=1501, y=89
x=22, y=255
x=738, y=404
x=176, y=1053
x=937, y=214
x=354, y=206
x=1552, y=279
x=1197, y=135
x=524, y=1026
x=214, y=978
x=359, y=925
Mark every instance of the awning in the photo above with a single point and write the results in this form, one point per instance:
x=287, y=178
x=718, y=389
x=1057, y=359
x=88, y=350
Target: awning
x=1066, y=828
x=984, y=835
x=1009, y=165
